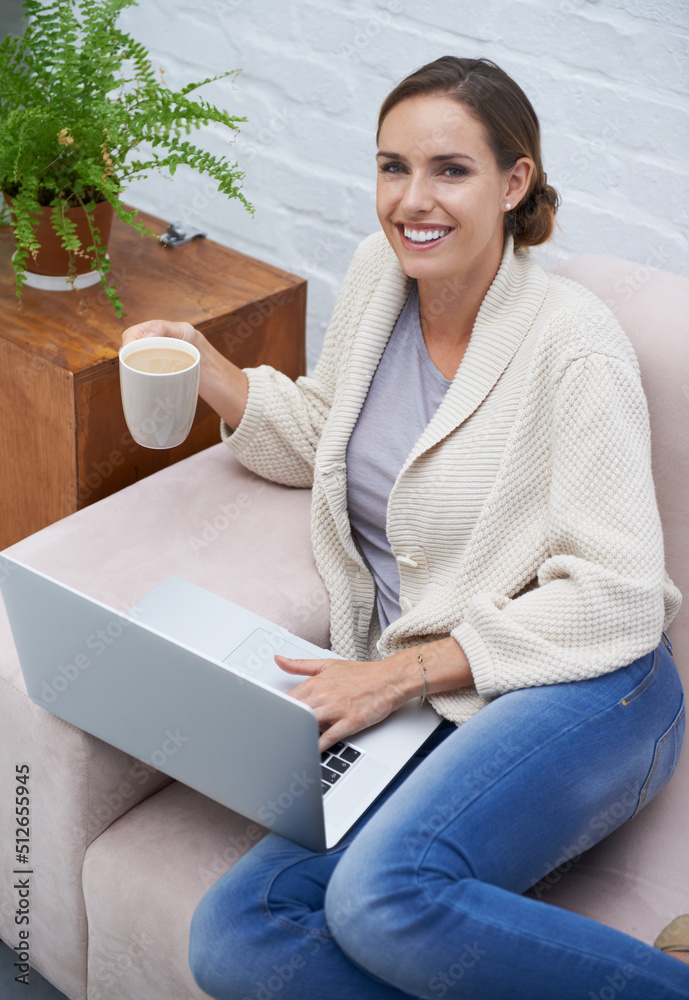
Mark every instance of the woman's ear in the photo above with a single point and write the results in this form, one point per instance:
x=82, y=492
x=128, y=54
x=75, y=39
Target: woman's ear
x=518, y=180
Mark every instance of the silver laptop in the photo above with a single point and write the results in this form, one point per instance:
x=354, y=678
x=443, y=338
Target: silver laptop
x=186, y=681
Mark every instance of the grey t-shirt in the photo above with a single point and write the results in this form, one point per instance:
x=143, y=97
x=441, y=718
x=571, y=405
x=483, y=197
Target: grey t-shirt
x=405, y=392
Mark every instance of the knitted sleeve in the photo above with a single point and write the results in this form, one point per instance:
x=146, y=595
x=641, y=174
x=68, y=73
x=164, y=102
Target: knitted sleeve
x=283, y=420
x=599, y=600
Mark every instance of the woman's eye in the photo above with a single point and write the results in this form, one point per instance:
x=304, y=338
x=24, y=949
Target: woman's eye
x=392, y=168
x=454, y=170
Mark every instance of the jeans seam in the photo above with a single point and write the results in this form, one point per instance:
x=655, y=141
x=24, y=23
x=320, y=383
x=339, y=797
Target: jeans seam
x=645, y=683
x=569, y=947
x=667, y=643
x=495, y=924
x=290, y=925
x=656, y=757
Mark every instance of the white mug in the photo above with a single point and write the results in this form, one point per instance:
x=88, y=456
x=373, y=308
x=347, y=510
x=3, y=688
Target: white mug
x=159, y=407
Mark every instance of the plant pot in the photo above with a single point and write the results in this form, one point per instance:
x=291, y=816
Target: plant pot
x=50, y=269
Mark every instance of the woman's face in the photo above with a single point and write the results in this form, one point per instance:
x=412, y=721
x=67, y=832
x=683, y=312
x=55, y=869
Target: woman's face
x=440, y=195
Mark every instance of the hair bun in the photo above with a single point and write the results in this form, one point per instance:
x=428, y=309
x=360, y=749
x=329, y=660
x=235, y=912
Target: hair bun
x=547, y=195
x=533, y=220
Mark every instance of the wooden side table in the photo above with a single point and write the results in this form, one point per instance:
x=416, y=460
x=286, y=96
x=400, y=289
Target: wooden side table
x=63, y=439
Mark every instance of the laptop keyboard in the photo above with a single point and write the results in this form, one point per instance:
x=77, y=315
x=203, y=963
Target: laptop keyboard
x=336, y=762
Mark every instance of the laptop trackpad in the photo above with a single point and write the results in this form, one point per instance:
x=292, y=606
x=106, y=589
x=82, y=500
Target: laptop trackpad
x=254, y=658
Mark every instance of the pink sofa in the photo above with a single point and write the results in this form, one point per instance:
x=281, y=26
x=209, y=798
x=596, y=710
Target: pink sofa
x=120, y=854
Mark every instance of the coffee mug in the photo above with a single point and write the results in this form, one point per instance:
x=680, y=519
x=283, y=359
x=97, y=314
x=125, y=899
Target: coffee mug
x=159, y=380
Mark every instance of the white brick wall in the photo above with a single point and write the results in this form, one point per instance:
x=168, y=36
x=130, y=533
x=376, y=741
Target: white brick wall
x=608, y=79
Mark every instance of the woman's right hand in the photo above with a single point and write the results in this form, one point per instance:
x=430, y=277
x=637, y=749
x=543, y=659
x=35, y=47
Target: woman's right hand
x=224, y=386
x=161, y=328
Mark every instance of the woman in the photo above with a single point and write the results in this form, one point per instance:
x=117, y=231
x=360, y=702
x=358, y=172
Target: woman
x=484, y=519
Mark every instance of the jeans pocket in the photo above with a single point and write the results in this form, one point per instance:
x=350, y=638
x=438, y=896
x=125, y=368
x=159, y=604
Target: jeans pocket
x=643, y=685
x=665, y=758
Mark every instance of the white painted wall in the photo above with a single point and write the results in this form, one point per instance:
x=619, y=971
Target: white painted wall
x=608, y=79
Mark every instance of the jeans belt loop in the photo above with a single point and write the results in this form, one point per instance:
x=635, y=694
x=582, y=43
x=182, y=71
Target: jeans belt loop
x=666, y=642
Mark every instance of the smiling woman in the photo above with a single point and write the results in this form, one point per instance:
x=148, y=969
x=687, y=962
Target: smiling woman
x=510, y=127
x=484, y=519
x=475, y=179
x=443, y=212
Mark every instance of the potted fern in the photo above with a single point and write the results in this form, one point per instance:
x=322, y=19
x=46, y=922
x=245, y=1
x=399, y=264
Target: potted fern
x=82, y=112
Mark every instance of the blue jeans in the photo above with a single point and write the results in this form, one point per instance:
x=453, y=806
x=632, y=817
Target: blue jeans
x=424, y=896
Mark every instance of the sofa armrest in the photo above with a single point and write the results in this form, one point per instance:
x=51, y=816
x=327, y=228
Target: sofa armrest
x=206, y=519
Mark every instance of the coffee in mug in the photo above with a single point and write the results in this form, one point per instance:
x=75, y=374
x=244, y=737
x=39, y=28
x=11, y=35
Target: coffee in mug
x=159, y=379
x=159, y=360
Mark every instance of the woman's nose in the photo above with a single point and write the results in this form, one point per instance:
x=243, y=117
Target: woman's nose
x=418, y=195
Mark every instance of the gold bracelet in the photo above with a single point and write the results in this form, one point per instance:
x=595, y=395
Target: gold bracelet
x=424, y=693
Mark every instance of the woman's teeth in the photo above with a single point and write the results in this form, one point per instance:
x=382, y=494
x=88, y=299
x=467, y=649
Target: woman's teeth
x=424, y=235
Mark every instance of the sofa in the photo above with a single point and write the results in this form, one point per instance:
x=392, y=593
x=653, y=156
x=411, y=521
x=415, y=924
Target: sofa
x=121, y=854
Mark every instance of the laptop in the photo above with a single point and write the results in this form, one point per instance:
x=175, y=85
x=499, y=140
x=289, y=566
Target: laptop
x=186, y=681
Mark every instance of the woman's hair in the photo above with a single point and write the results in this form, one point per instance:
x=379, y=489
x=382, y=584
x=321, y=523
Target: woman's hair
x=511, y=126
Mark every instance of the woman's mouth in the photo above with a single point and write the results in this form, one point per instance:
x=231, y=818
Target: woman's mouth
x=423, y=237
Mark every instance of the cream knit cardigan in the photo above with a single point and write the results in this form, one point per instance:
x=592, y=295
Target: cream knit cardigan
x=524, y=520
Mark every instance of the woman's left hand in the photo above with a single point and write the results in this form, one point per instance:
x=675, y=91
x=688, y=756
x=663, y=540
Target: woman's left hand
x=347, y=695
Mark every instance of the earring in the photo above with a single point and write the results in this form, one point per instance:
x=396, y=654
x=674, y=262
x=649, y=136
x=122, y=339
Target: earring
x=508, y=207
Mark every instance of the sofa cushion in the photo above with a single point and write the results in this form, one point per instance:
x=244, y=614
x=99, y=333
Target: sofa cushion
x=143, y=879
